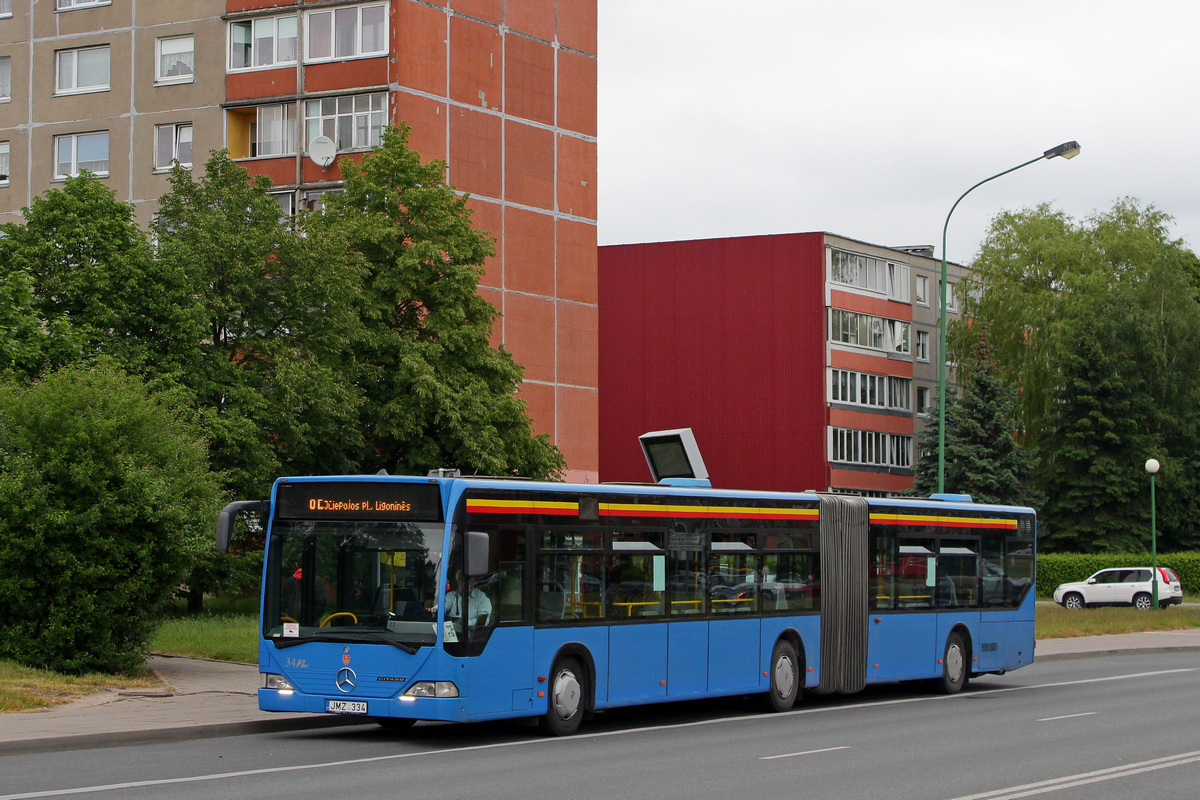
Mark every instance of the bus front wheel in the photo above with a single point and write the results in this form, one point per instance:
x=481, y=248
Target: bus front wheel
x=786, y=675
x=568, y=693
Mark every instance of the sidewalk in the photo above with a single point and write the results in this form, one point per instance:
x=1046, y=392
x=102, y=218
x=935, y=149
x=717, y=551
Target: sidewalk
x=204, y=699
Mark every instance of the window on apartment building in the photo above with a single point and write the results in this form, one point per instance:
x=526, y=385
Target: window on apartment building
x=898, y=332
x=866, y=389
x=261, y=131
x=354, y=122
x=951, y=299
x=263, y=42
x=172, y=143
x=79, y=151
x=175, y=59
x=82, y=70
x=923, y=401
x=871, y=448
x=346, y=32
x=922, y=290
x=922, y=349
x=4, y=163
x=5, y=8
x=286, y=201
x=5, y=79
x=67, y=5
x=873, y=274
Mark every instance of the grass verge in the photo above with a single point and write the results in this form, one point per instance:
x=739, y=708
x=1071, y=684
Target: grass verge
x=25, y=689
x=225, y=637
x=1056, y=622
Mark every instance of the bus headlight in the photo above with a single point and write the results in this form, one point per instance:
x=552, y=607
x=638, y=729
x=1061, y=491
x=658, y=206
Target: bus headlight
x=432, y=689
x=273, y=681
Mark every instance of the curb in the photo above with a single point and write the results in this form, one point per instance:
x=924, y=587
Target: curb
x=95, y=741
x=1109, y=653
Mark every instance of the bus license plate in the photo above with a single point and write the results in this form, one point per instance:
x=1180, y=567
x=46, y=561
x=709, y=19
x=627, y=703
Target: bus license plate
x=346, y=706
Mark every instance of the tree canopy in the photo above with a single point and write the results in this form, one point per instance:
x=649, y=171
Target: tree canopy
x=1098, y=324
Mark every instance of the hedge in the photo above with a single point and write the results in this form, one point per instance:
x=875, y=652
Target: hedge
x=1056, y=568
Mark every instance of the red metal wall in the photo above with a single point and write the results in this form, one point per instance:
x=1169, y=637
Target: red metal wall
x=727, y=337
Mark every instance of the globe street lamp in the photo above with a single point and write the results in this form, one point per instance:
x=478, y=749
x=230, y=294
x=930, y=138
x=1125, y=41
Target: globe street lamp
x=1064, y=150
x=1152, y=466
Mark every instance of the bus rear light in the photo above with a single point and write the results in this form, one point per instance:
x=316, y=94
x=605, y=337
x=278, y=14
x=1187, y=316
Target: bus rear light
x=432, y=689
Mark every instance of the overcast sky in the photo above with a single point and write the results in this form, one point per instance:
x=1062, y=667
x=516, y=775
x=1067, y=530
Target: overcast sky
x=868, y=118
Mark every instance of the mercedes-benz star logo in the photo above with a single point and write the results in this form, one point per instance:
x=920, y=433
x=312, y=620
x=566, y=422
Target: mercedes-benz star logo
x=346, y=680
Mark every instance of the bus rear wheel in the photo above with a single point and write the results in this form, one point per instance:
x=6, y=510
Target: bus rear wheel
x=568, y=693
x=786, y=676
x=954, y=664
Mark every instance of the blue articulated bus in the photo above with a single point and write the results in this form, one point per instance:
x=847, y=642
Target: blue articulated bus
x=404, y=598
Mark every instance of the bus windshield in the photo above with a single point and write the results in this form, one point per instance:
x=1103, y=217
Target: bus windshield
x=352, y=580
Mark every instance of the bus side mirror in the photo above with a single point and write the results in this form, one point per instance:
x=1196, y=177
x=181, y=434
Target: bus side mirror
x=228, y=516
x=478, y=547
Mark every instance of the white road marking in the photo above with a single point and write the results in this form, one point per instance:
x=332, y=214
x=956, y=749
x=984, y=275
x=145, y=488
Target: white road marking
x=805, y=753
x=1085, y=778
x=1069, y=716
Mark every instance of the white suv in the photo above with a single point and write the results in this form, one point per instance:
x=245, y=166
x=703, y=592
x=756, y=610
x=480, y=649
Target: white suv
x=1121, y=587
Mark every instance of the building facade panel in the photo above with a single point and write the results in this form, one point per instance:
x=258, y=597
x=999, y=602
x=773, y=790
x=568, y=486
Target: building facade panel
x=576, y=260
x=532, y=17
x=529, y=78
x=428, y=122
x=577, y=176
x=419, y=55
x=577, y=25
x=476, y=64
x=486, y=10
x=476, y=152
x=529, y=165
x=529, y=252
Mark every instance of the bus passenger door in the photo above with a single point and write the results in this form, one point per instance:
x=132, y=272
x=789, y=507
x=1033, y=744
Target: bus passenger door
x=636, y=608
x=902, y=634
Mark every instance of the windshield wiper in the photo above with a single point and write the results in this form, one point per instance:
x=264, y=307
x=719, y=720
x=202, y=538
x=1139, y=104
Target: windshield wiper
x=343, y=637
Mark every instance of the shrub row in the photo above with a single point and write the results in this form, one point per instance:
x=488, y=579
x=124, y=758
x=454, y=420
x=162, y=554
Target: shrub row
x=1056, y=568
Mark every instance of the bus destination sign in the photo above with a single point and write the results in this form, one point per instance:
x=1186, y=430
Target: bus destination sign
x=378, y=500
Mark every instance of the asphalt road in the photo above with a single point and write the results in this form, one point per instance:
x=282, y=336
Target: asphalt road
x=1097, y=728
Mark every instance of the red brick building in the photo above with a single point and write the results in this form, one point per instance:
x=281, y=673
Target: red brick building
x=503, y=90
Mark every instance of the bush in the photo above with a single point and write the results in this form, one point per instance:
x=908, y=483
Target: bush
x=1056, y=568
x=107, y=501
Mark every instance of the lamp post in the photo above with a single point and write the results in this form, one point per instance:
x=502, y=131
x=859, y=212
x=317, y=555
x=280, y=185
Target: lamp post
x=1152, y=466
x=1064, y=150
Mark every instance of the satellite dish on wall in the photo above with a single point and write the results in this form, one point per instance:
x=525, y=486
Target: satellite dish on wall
x=322, y=150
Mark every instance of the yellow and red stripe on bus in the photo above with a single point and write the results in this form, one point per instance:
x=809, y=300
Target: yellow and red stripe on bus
x=488, y=506
x=932, y=521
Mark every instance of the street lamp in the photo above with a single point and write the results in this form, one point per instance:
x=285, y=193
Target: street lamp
x=1064, y=150
x=1152, y=466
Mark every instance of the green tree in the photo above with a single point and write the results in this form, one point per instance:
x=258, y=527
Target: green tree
x=28, y=343
x=1098, y=322
x=276, y=300
x=89, y=263
x=435, y=392
x=108, y=499
x=1095, y=443
x=983, y=456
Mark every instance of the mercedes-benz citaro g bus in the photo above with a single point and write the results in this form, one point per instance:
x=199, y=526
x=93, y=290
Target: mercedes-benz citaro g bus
x=402, y=598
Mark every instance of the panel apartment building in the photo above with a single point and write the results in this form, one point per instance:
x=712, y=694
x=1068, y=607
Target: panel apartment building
x=801, y=361
x=503, y=90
